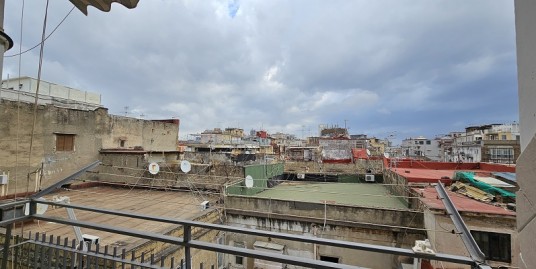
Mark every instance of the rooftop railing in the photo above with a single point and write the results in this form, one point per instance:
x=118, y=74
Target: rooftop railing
x=46, y=251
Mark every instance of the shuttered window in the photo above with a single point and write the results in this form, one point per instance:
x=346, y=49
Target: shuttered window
x=64, y=142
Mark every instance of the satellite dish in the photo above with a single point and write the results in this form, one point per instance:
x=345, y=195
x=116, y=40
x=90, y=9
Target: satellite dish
x=368, y=152
x=41, y=208
x=154, y=168
x=386, y=155
x=249, y=181
x=186, y=166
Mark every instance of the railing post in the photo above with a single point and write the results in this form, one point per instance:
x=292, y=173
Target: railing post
x=187, y=253
x=7, y=240
x=33, y=207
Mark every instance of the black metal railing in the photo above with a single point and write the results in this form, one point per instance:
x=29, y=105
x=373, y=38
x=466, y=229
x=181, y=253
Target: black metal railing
x=90, y=256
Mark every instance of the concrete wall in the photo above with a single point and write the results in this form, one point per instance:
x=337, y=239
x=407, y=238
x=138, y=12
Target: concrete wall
x=14, y=157
x=93, y=130
x=526, y=68
x=358, y=167
x=131, y=168
x=49, y=93
x=439, y=228
x=138, y=133
x=312, y=229
x=330, y=213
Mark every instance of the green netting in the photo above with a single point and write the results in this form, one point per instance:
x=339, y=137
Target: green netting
x=469, y=177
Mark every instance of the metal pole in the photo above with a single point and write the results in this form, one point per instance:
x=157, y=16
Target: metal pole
x=7, y=241
x=187, y=238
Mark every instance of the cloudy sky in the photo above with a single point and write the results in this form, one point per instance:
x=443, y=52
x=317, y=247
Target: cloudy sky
x=381, y=67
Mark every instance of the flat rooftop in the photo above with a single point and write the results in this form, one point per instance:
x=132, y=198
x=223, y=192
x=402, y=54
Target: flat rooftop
x=179, y=205
x=353, y=194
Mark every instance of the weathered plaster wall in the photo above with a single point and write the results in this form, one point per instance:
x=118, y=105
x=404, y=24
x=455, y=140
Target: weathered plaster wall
x=14, y=153
x=132, y=169
x=93, y=130
x=138, y=133
x=316, y=211
x=526, y=68
x=348, y=223
x=308, y=250
x=440, y=234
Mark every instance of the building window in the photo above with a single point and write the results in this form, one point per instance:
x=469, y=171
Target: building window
x=503, y=137
x=329, y=259
x=428, y=142
x=495, y=246
x=421, y=142
x=64, y=142
x=501, y=155
x=239, y=260
x=122, y=143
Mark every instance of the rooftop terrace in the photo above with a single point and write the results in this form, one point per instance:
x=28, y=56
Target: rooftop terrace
x=354, y=194
x=179, y=205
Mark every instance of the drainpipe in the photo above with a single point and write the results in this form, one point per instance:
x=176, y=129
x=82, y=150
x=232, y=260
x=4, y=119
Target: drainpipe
x=315, y=247
x=5, y=41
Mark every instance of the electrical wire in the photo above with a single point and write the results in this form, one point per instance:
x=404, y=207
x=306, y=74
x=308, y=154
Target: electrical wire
x=236, y=177
x=40, y=43
x=40, y=68
x=126, y=195
x=211, y=183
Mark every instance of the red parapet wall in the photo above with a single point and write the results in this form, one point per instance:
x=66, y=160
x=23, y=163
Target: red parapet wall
x=338, y=161
x=408, y=163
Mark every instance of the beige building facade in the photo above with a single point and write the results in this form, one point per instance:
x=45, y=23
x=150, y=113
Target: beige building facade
x=68, y=138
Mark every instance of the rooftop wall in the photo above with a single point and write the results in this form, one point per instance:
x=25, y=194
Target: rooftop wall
x=91, y=131
x=261, y=174
x=49, y=93
x=406, y=163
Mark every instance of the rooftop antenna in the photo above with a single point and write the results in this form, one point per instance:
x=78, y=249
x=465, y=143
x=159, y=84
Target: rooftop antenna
x=126, y=110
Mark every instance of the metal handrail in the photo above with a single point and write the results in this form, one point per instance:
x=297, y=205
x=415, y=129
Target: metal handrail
x=188, y=243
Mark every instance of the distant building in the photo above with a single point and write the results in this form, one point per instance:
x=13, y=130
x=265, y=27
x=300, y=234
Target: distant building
x=337, y=150
x=334, y=131
x=421, y=148
x=495, y=143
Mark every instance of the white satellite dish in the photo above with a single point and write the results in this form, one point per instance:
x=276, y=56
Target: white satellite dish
x=40, y=208
x=249, y=181
x=368, y=152
x=154, y=168
x=186, y=166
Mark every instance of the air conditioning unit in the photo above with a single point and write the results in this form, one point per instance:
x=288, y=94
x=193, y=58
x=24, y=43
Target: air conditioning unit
x=91, y=239
x=205, y=205
x=369, y=178
x=300, y=176
x=3, y=179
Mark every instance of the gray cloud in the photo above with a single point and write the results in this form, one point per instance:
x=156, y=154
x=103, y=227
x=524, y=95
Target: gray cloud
x=415, y=67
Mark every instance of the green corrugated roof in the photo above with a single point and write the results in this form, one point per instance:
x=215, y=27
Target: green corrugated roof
x=368, y=195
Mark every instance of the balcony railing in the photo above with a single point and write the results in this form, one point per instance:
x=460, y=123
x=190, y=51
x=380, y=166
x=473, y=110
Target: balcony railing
x=52, y=253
